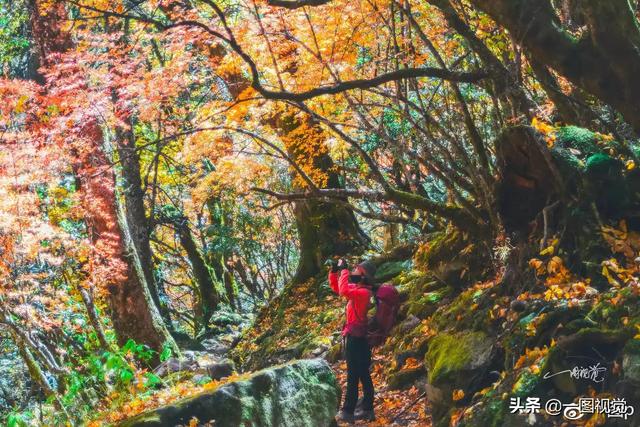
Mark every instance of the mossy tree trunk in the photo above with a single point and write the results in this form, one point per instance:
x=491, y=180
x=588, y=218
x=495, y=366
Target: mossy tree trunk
x=134, y=313
x=218, y=259
x=568, y=191
x=94, y=318
x=325, y=228
x=209, y=298
x=529, y=180
x=135, y=211
x=604, y=60
x=37, y=374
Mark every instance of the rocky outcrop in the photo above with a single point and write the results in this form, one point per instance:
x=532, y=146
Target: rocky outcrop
x=301, y=393
x=459, y=361
x=540, y=355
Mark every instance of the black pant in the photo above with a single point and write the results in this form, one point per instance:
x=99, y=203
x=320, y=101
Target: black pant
x=358, y=354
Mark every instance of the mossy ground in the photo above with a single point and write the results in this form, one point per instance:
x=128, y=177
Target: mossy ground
x=301, y=319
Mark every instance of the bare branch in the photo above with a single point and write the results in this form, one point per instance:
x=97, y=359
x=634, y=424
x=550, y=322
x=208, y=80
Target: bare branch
x=296, y=4
x=410, y=200
x=402, y=74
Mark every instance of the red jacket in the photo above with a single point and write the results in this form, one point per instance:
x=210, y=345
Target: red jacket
x=358, y=305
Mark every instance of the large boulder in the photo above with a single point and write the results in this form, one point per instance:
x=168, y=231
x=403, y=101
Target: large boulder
x=458, y=361
x=298, y=394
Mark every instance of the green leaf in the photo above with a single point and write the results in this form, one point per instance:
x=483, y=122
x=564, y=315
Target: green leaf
x=126, y=375
x=15, y=420
x=204, y=380
x=166, y=352
x=152, y=380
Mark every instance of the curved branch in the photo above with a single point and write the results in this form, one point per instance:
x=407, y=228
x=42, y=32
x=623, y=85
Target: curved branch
x=604, y=61
x=410, y=200
x=402, y=74
x=296, y=4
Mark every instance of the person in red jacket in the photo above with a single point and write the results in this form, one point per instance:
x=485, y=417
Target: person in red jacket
x=357, y=289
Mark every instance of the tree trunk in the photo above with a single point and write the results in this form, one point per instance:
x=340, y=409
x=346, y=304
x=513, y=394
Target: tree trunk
x=35, y=371
x=47, y=35
x=529, y=178
x=229, y=287
x=218, y=259
x=209, y=299
x=135, y=213
x=605, y=61
x=94, y=318
x=325, y=228
x=133, y=313
x=566, y=192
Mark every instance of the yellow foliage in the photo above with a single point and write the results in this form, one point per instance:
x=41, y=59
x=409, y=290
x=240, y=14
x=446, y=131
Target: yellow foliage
x=531, y=357
x=547, y=130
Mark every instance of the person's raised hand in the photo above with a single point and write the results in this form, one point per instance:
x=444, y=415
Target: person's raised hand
x=332, y=264
x=342, y=264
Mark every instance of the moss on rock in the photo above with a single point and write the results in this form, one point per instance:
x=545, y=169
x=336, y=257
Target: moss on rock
x=459, y=313
x=453, y=258
x=577, y=138
x=440, y=248
x=450, y=355
x=297, y=394
x=631, y=361
x=390, y=270
x=526, y=384
x=489, y=413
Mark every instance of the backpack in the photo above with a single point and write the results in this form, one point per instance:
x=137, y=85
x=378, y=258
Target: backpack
x=387, y=304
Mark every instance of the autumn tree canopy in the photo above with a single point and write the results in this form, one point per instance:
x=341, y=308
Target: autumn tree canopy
x=168, y=165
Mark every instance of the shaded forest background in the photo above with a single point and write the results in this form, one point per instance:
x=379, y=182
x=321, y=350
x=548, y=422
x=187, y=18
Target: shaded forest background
x=177, y=173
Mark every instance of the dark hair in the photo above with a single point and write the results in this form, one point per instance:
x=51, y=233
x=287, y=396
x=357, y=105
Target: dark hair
x=369, y=270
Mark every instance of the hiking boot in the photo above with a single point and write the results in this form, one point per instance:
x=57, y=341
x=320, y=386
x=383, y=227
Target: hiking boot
x=365, y=415
x=359, y=405
x=345, y=417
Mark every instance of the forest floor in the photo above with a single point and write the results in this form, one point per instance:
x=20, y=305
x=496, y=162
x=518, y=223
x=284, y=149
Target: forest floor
x=392, y=407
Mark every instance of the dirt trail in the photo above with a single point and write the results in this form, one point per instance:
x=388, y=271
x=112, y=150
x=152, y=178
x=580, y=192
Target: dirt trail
x=393, y=408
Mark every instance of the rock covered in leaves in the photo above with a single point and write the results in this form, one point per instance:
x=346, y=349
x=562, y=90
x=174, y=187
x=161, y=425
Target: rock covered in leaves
x=301, y=393
x=557, y=338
